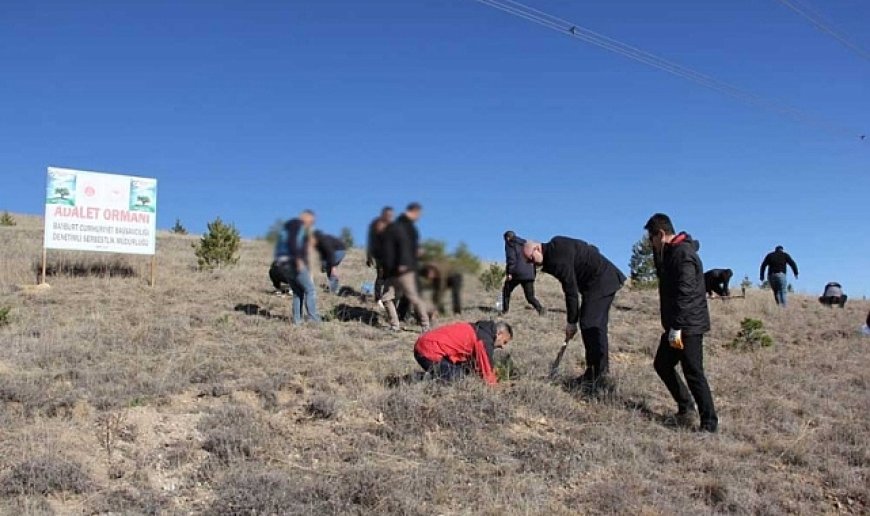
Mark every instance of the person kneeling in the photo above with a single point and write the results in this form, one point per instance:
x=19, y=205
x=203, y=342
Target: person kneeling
x=833, y=295
x=452, y=351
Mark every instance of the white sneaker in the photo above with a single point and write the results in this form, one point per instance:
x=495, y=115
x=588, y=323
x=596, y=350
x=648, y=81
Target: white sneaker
x=380, y=304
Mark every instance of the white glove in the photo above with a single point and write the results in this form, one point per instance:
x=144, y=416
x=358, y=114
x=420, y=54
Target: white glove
x=675, y=338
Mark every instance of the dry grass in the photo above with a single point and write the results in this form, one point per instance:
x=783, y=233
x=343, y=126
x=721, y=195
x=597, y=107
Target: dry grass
x=197, y=396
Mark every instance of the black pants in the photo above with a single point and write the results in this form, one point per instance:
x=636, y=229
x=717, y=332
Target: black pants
x=594, y=318
x=528, y=291
x=454, y=283
x=692, y=359
x=721, y=289
x=277, y=278
x=834, y=300
x=443, y=370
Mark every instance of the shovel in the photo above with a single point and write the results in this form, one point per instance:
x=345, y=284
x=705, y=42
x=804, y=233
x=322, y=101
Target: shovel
x=554, y=369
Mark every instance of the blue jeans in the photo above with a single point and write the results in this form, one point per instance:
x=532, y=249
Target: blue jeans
x=303, y=292
x=333, y=280
x=779, y=285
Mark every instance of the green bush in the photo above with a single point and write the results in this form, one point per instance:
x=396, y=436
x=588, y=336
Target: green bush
x=4, y=315
x=7, y=219
x=642, y=265
x=178, y=229
x=219, y=246
x=493, y=277
x=751, y=336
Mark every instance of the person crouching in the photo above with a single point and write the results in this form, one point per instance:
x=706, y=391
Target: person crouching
x=452, y=351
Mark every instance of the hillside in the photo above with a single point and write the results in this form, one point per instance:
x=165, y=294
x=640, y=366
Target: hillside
x=197, y=396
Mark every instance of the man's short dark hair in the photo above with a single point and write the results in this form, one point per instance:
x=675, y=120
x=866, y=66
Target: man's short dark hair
x=659, y=222
x=308, y=212
x=385, y=209
x=509, y=235
x=414, y=206
x=779, y=248
x=503, y=326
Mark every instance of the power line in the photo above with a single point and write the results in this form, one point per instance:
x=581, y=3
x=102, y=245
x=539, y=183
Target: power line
x=566, y=27
x=816, y=19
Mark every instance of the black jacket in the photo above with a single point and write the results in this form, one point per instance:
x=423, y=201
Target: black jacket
x=777, y=260
x=375, y=243
x=326, y=246
x=486, y=332
x=400, y=244
x=582, y=270
x=516, y=264
x=682, y=294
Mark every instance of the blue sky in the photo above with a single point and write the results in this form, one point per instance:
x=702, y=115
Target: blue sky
x=254, y=110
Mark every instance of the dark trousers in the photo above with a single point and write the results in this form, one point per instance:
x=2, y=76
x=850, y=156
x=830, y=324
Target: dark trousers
x=454, y=283
x=379, y=282
x=443, y=370
x=834, y=300
x=277, y=278
x=721, y=289
x=692, y=359
x=528, y=291
x=594, y=318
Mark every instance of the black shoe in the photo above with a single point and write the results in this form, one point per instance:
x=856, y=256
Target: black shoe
x=709, y=426
x=542, y=311
x=683, y=418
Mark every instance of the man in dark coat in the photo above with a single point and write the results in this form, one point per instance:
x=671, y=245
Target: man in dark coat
x=716, y=281
x=452, y=351
x=685, y=320
x=332, y=251
x=375, y=248
x=775, y=263
x=518, y=272
x=582, y=270
x=401, y=251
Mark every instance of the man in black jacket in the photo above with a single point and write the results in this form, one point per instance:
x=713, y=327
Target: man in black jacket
x=776, y=262
x=332, y=251
x=717, y=280
x=685, y=320
x=518, y=272
x=374, y=248
x=401, y=251
x=582, y=270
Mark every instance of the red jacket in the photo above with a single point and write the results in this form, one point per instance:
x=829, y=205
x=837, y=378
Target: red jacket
x=457, y=343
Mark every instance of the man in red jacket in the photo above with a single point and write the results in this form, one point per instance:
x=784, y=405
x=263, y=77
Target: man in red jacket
x=451, y=351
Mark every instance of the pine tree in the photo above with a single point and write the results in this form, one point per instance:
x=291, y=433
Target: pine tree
x=178, y=229
x=464, y=260
x=347, y=237
x=7, y=219
x=642, y=264
x=219, y=246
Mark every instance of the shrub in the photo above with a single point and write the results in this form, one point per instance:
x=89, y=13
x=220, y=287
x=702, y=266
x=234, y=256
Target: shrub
x=178, y=229
x=4, y=315
x=321, y=407
x=219, y=246
x=232, y=433
x=7, y=219
x=79, y=265
x=493, y=277
x=642, y=265
x=44, y=475
x=751, y=336
x=347, y=237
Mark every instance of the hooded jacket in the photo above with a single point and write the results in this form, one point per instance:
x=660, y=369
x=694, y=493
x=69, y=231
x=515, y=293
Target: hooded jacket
x=682, y=293
x=462, y=343
x=400, y=244
x=582, y=270
x=515, y=263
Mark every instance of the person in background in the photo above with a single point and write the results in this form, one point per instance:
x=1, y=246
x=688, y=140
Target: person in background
x=716, y=282
x=291, y=255
x=583, y=271
x=833, y=295
x=440, y=275
x=332, y=251
x=401, y=251
x=374, y=249
x=685, y=320
x=454, y=350
x=775, y=263
x=518, y=272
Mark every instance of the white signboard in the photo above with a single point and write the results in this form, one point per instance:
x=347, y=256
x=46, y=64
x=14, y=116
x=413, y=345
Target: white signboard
x=88, y=211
